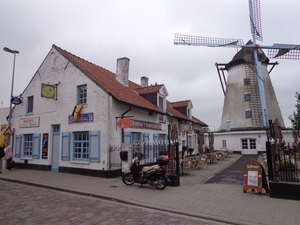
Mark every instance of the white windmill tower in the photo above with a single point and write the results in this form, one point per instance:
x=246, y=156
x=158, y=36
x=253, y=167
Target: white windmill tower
x=250, y=101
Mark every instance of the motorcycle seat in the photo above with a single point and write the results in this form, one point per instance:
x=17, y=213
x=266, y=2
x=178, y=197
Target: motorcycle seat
x=148, y=168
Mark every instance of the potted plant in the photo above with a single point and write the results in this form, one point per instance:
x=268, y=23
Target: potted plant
x=190, y=150
x=286, y=170
x=184, y=149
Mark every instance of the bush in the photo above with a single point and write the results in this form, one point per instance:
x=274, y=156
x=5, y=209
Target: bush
x=286, y=165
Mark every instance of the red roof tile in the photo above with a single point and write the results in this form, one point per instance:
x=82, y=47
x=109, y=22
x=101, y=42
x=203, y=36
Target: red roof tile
x=107, y=81
x=199, y=121
x=180, y=103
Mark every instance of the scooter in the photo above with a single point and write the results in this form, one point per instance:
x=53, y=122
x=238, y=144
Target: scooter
x=153, y=175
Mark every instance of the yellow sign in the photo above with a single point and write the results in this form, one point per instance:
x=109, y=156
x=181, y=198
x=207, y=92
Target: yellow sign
x=48, y=91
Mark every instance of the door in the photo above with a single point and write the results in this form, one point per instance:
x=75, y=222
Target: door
x=249, y=146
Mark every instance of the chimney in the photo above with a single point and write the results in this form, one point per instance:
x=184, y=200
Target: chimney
x=122, y=71
x=144, y=81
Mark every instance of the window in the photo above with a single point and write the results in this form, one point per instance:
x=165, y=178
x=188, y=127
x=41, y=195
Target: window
x=162, y=137
x=30, y=104
x=82, y=94
x=56, y=128
x=244, y=143
x=189, y=113
x=248, y=114
x=28, y=141
x=247, y=97
x=251, y=141
x=190, y=141
x=246, y=81
x=136, y=137
x=161, y=106
x=228, y=125
x=224, y=144
x=81, y=145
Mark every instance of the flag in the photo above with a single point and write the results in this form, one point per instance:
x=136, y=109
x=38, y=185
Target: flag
x=76, y=111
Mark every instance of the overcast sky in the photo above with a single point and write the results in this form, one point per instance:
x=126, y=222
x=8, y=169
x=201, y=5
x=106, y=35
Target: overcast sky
x=102, y=31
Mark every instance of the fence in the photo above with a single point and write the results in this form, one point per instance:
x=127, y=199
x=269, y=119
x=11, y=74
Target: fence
x=147, y=153
x=286, y=164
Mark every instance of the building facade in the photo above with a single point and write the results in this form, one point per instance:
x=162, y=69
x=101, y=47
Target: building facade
x=70, y=113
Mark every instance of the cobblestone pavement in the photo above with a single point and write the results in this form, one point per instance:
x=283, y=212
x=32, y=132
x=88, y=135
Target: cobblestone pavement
x=28, y=205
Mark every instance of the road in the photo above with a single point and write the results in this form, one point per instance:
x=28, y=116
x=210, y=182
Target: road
x=25, y=204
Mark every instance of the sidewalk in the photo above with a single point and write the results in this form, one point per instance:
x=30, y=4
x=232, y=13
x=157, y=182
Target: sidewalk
x=219, y=202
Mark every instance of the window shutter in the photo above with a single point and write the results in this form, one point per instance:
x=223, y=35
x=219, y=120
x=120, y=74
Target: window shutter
x=95, y=141
x=65, y=146
x=36, y=146
x=17, y=148
x=127, y=137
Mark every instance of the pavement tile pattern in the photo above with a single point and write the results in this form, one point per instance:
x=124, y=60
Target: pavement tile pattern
x=224, y=203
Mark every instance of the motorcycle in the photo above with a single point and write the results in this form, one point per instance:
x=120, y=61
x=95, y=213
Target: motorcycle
x=154, y=175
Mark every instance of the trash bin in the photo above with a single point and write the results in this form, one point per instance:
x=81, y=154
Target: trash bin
x=124, y=155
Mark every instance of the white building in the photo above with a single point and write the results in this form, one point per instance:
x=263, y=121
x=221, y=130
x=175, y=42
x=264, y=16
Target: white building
x=48, y=137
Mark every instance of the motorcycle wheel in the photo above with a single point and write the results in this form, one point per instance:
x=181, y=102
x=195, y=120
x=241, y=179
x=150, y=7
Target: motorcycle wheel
x=160, y=182
x=128, y=179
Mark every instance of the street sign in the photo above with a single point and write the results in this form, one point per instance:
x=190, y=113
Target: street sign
x=8, y=132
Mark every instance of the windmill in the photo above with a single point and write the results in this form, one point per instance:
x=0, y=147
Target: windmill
x=280, y=51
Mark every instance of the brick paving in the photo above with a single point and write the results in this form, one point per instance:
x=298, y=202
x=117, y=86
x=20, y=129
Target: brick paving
x=24, y=204
x=224, y=203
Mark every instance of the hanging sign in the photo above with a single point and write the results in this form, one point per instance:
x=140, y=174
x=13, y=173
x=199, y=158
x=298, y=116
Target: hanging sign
x=125, y=123
x=48, y=91
x=16, y=100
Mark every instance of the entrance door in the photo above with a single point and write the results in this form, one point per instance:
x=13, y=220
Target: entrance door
x=55, y=147
x=249, y=146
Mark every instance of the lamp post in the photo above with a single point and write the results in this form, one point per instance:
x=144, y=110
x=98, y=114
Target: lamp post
x=12, y=85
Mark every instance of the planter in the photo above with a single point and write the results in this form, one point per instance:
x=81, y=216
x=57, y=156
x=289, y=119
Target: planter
x=175, y=180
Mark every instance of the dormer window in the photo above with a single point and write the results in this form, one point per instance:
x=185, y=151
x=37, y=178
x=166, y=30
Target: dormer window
x=161, y=105
x=189, y=113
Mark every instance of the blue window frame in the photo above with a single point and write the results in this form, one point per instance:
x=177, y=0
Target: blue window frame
x=28, y=143
x=81, y=145
x=82, y=94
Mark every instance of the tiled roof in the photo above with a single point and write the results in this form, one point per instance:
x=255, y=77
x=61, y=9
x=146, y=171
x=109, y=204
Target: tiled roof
x=178, y=104
x=154, y=89
x=175, y=113
x=199, y=121
x=107, y=81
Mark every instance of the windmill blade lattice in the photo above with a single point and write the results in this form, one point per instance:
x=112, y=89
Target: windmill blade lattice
x=182, y=39
x=281, y=51
x=255, y=20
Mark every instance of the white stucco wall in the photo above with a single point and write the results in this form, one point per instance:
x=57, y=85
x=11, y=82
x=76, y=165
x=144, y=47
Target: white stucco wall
x=56, y=69
x=234, y=143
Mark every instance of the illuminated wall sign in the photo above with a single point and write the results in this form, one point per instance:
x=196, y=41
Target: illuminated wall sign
x=146, y=125
x=29, y=122
x=84, y=117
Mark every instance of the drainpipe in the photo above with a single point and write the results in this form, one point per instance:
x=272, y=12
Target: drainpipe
x=122, y=116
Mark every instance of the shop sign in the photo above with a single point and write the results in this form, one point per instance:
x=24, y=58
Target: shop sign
x=125, y=123
x=146, y=125
x=29, y=122
x=84, y=117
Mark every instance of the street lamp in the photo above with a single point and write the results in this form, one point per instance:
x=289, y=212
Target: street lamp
x=12, y=85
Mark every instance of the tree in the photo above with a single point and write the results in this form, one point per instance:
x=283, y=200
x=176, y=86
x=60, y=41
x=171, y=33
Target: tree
x=295, y=118
x=206, y=129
